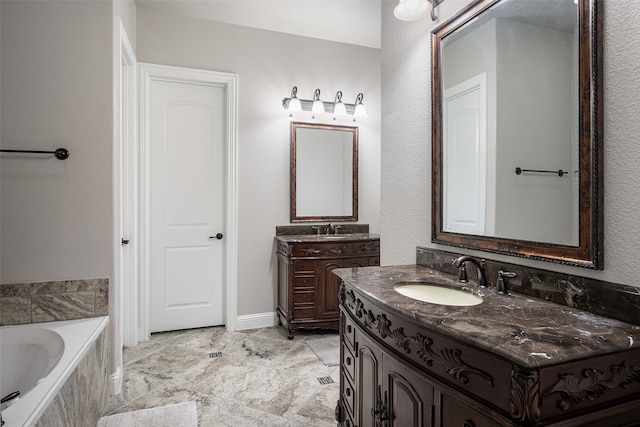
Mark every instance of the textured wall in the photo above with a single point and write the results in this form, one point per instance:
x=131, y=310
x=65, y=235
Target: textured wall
x=406, y=131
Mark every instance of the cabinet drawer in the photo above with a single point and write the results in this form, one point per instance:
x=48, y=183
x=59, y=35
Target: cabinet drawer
x=348, y=395
x=348, y=362
x=348, y=331
x=456, y=413
x=303, y=266
x=304, y=298
x=304, y=313
x=304, y=282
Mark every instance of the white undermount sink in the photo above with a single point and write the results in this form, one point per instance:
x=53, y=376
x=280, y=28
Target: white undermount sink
x=435, y=294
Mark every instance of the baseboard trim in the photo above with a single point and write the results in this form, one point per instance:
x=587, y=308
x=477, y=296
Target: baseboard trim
x=115, y=382
x=258, y=320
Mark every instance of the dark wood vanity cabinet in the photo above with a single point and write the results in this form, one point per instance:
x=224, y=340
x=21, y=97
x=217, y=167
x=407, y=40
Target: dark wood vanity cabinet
x=307, y=289
x=397, y=372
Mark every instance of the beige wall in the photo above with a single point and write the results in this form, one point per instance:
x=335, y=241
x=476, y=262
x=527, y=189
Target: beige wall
x=57, y=220
x=269, y=64
x=406, y=132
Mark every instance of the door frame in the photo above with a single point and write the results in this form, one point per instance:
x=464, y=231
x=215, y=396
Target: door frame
x=147, y=74
x=128, y=227
x=124, y=199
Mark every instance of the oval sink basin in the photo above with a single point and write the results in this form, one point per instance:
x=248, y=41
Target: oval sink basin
x=436, y=294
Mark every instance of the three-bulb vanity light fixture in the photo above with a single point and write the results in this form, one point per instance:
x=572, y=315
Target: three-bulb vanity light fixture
x=412, y=10
x=317, y=106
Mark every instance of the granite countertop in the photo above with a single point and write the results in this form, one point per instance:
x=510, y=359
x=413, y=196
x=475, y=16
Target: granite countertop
x=327, y=238
x=526, y=330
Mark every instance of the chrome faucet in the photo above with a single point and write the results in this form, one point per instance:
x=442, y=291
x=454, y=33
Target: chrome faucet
x=332, y=228
x=462, y=271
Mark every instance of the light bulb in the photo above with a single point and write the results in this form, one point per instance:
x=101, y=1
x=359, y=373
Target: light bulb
x=411, y=10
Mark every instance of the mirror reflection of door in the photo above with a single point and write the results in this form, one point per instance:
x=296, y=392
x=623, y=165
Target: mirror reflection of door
x=465, y=156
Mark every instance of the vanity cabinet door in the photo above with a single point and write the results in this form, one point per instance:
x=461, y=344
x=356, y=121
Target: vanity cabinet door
x=410, y=396
x=327, y=289
x=387, y=392
x=328, y=284
x=368, y=367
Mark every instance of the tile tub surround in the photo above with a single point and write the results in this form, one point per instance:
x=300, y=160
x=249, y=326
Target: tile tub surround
x=621, y=302
x=239, y=378
x=84, y=396
x=529, y=331
x=22, y=303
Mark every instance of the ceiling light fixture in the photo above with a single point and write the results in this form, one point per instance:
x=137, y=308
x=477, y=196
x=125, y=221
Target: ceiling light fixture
x=412, y=10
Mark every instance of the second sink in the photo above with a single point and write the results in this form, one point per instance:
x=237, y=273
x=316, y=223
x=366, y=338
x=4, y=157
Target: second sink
x=435, y=294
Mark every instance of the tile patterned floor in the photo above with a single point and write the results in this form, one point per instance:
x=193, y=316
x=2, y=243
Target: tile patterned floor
x=260, y=379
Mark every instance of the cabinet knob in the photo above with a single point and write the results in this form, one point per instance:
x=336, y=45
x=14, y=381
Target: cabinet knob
x=348, y=360
x=304, y=297
x=468, y=423
x=347, y=391
x=349, y=328
x=304, y=282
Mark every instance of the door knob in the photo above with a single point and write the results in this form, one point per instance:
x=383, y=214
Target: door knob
x=218, y=236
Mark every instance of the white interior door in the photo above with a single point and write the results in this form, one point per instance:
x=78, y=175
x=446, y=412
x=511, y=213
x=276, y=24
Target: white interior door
x=186, y=153
x=465, y=157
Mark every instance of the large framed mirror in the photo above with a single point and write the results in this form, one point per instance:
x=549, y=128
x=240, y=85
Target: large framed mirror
x=517, y=130
x=324, y=172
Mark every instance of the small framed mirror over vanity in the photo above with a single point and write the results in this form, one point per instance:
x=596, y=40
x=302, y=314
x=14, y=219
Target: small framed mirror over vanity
x=324, y=172
x=517, y=130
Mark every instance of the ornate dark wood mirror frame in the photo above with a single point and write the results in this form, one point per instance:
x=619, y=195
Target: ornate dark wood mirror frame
x=347, y=134
x=589, y=250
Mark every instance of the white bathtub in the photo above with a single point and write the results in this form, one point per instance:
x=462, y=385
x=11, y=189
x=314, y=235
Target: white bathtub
x=36, y=359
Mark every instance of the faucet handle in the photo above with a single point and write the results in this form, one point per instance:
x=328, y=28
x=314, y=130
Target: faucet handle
x=462, y=274
x=336, y=228
x=501, y=284
x=316, y=228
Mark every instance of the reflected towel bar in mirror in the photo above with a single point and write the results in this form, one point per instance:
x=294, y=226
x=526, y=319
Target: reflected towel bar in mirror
x=559, y=172
x=60, y=153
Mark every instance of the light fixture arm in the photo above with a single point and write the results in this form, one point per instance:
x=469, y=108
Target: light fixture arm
x=434, y=4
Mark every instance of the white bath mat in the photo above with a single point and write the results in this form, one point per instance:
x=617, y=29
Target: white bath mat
x=327, y=349
x=178, y=415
